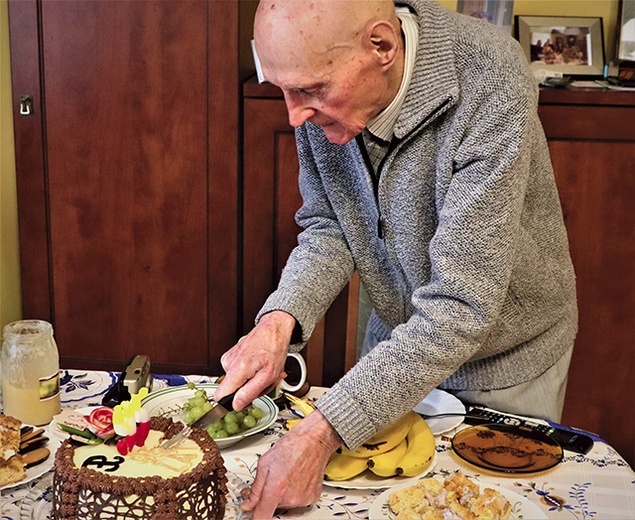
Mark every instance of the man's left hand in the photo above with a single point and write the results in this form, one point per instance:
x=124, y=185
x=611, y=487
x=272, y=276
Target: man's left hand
x=290, y=474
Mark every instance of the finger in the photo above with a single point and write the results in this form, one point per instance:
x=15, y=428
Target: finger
x=266, y=507
x=255, y=491
x=252, y=389
x=230, y=383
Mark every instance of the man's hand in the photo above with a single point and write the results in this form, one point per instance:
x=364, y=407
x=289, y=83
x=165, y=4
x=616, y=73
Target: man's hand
x=256, y=362
x=290, y=474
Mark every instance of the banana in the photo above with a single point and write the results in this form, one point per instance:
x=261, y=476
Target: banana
x=343, y=467
x=421, y=448
x=303, y=405
x=290, y=423
x=385, y=464
x=385, y=439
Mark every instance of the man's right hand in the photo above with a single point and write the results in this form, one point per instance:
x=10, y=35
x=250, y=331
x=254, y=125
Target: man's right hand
x=256, y=362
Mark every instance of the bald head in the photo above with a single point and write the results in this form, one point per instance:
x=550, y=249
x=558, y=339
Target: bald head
x=338, y=62
x=315, y=33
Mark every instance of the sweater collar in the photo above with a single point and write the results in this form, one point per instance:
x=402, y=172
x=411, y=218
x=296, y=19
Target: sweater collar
x=434, y=85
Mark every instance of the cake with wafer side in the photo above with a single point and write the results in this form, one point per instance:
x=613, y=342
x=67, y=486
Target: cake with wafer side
x=185, y=482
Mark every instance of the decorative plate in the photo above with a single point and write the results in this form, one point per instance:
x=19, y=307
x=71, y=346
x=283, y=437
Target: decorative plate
x=169, y=403
x=505, y=448
x=522, y=508
x=440, y=401
x=39, y=469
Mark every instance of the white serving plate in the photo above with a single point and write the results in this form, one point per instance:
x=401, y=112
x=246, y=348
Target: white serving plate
x=169, y=402
x=440, y=401
x=522, y=508
x=368, y=480
x=39, y=469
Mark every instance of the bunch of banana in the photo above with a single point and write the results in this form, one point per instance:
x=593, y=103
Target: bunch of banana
x=405, y=448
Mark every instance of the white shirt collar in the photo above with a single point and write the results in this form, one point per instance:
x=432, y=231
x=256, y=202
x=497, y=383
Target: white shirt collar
x=383, y=124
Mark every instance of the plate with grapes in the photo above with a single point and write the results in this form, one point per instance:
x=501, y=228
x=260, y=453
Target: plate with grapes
x=175, y=402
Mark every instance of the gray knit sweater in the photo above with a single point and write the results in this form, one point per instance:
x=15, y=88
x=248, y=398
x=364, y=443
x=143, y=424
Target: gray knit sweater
x=471, y=279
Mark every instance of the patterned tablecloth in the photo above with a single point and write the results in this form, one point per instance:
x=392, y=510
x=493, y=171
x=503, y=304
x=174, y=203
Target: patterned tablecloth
x=599, y=485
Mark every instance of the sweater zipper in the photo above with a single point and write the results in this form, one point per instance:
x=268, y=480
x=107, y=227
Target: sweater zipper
x=374, y=176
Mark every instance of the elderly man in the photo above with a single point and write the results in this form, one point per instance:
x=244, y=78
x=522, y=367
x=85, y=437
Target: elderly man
x=424, y=166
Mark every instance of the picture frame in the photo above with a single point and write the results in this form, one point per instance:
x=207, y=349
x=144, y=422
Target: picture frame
x=626, y=32
x=570, y=45
x=497, y=12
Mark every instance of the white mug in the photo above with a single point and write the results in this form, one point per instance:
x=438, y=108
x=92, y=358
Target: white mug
x=295, y=367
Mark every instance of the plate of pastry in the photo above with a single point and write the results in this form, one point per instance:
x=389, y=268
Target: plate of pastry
x=35, y=454
x=435, y=496
x=506, y=448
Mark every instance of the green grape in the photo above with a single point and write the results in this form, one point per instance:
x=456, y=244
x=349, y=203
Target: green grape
x=198, y=401
x=220, y=434
x=197, y=412
x=232, y=424
x=256, y=412
x=250, y=421
x=231, y=418
x=216, y=425
x=232, y=428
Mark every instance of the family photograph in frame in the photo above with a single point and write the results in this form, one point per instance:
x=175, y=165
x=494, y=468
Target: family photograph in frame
x=626, y=41
x=572, y=46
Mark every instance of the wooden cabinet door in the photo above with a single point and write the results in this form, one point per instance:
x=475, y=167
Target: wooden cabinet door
x=127, y=175
x=270, y=199
x=592, y=143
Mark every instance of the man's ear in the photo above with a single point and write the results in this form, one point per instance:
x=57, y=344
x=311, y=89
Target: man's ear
x=384, y=41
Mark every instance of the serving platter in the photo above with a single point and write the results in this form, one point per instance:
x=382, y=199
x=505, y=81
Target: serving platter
x=46, y=465
x=169, y=402
x=368, y=480
x=522, y=508
x=507, y=448
x=439, y=402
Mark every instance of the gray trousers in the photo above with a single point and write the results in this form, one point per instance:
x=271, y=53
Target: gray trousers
x=542, y=397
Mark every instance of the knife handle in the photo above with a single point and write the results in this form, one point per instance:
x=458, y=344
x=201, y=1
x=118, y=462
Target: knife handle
x=226, y=402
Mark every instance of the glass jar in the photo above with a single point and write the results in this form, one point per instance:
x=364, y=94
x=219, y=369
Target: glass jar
x=30, y=372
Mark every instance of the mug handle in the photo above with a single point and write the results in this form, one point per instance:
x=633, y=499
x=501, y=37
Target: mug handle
x=293, y=388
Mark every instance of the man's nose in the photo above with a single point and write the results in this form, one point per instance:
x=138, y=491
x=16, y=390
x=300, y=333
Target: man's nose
x=299, y=113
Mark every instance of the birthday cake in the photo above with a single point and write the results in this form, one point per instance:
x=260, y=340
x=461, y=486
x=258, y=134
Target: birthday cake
x=150, y=482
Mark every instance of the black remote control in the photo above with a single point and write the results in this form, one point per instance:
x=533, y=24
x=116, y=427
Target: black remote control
x=569, y=440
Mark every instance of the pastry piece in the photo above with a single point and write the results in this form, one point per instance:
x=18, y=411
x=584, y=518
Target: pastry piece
x=456, y=497
x=11, y=464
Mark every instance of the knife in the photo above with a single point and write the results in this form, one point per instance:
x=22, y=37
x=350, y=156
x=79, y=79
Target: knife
x=220, y=410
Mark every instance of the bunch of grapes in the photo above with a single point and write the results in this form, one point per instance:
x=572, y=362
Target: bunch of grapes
x=231, y=424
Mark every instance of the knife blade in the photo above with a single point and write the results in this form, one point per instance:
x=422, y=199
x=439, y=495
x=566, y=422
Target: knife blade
x=220, y=410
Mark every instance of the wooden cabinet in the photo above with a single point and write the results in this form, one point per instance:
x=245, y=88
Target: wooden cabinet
x=127, y=174
x=592, y=141
x=270, y=199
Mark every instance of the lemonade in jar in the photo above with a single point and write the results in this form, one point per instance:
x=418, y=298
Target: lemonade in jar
x=30, y=372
